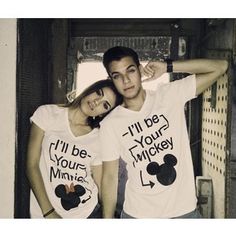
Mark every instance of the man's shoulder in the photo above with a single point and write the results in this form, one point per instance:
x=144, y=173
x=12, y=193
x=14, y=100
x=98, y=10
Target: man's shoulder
x=174, y=83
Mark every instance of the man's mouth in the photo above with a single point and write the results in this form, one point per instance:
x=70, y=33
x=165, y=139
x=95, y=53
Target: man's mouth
x=129, y=88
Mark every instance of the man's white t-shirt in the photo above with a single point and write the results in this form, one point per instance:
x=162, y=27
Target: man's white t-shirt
x=65, y=164
x=154, y=143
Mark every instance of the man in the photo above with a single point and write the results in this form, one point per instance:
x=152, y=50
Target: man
x=149, y=132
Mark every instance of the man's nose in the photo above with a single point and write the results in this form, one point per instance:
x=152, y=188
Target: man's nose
x=126, y=79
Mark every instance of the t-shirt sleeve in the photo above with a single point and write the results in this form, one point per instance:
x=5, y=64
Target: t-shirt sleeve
x=108, y=142
x=97, y=160
x=41, y=117
x=179, y=91
x=186, y=88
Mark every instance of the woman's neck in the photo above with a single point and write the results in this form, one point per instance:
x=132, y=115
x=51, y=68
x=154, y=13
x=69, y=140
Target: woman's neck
x=77, y=117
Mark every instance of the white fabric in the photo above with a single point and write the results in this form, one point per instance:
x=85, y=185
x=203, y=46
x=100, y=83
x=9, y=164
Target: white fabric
x=156, y=188
x=66, y=161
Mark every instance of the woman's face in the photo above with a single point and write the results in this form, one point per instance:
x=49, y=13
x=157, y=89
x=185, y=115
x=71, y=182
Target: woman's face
x=99, y=102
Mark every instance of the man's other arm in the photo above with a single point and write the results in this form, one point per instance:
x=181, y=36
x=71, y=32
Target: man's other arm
x=207, y=71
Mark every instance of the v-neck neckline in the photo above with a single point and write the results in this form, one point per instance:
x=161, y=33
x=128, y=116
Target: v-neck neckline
x=69, y=128
x=146, y=104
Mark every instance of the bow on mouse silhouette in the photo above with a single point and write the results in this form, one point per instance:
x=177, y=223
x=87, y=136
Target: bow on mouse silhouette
x=70, y=195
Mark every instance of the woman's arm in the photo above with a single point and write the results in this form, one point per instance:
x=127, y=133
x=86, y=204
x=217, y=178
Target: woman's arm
x=97, y=176
x=33, y=172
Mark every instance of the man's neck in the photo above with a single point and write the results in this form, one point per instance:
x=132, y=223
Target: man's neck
x=135, y=104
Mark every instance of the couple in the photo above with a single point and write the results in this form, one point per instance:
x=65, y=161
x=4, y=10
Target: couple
x=73, y=152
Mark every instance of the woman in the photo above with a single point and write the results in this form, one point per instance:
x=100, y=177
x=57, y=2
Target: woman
x=63, y=164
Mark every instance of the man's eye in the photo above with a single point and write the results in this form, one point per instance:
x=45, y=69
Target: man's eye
x=131, y=70
x=116, y=76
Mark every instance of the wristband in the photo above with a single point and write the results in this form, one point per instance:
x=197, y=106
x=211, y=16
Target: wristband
x=169, y=65
x=49, y=212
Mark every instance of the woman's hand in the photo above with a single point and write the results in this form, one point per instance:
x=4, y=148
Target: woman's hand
x=53, y=215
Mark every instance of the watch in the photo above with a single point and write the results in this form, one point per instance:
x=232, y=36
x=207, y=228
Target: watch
x=169, y=65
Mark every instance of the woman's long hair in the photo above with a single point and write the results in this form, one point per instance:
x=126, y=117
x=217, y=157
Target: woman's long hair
x=93, y=122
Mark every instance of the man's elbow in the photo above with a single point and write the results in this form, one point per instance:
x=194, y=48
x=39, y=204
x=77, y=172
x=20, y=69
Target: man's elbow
x=223, y=66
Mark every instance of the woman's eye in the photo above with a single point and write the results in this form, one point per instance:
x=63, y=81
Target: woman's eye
x=106, y=106
x=99, y=92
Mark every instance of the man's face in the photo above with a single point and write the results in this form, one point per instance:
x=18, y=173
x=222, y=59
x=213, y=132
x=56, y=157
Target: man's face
x=126, y=77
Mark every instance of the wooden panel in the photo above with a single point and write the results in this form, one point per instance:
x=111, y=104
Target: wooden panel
x=121, y=27
x=133, y=26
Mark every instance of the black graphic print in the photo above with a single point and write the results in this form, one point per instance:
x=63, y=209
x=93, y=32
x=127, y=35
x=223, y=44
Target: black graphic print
x=68, y=161
x=144, y=144
x=70, y=196
x=147, y=141
x=165, y=173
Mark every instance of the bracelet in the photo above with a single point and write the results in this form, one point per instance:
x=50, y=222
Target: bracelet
x=169, y=65
x=49, y=212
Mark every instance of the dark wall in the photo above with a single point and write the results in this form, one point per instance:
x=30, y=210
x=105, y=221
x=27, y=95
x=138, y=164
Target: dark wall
x=59, y=44
x=33, y=89
x=41, y=79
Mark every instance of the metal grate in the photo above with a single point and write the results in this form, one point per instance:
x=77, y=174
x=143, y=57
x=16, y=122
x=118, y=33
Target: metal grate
x=138, y=43
x=146, y=47
x=214, y=136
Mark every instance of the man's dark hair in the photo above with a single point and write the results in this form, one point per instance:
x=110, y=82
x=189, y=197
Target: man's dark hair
x=117, y=53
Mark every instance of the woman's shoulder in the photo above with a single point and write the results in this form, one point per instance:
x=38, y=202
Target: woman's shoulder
x=50, y=109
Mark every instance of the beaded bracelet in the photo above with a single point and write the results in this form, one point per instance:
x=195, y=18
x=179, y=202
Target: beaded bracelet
x=49, y=212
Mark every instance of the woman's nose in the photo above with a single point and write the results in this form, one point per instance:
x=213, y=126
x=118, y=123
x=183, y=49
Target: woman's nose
x=97, y=101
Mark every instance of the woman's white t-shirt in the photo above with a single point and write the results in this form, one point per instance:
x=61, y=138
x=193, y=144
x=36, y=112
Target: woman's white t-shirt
x=65, y=164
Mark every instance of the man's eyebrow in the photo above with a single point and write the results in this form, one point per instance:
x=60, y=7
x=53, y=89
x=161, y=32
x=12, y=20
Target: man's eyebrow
x=116, y=72
x=130, y=66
